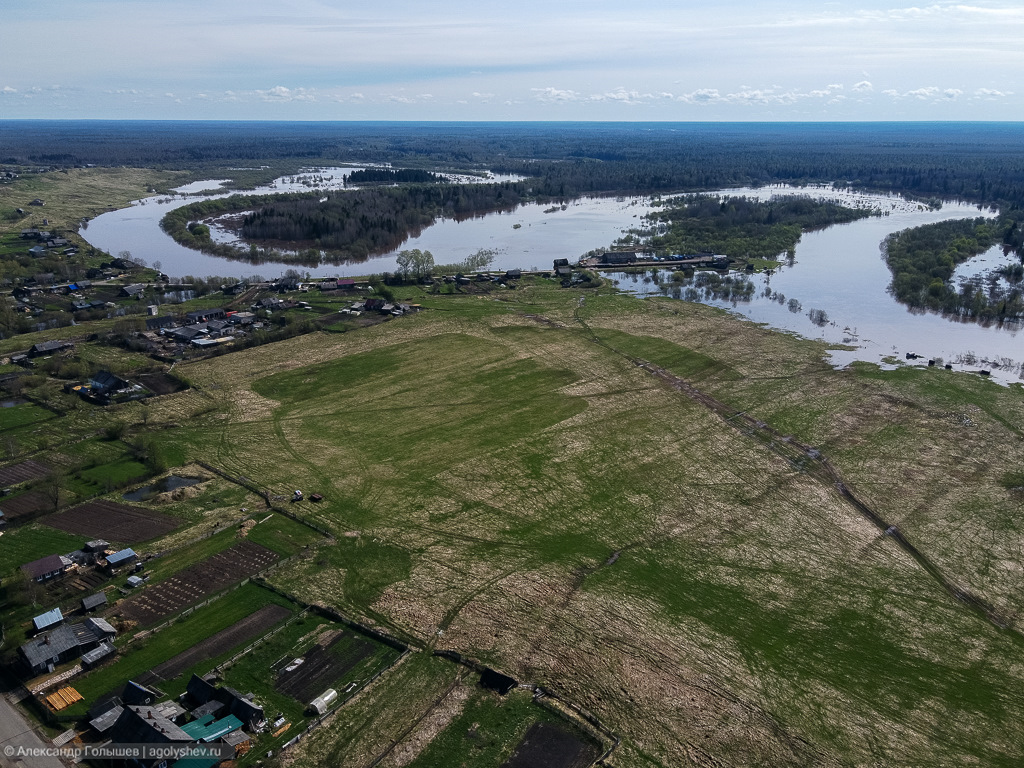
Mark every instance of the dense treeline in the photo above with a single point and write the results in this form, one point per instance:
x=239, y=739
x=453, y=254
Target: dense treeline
x=979, y=162
x=348, y=226
x=739, y=227
x=923, y=260
x=393, y=176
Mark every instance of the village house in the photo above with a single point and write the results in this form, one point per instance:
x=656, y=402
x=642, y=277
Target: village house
x=46, y=568
x=104, y=382
x=45, y=348
x=64, y=643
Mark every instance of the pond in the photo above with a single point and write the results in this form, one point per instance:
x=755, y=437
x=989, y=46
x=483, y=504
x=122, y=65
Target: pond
x=169, y=483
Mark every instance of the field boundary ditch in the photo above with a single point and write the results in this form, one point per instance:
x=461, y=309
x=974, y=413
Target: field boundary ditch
x=806, y=458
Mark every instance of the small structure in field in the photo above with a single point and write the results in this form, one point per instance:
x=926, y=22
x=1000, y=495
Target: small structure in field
x=321, y=705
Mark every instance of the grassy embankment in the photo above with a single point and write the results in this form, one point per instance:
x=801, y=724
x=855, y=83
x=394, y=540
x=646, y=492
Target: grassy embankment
x=503, y=486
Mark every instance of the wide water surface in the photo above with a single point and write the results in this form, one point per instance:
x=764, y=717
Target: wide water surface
x=839, y=270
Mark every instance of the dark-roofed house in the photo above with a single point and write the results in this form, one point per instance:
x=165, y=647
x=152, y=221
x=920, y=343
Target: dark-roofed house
x=204, y=315
x=133, y=290
x=48, y=348
x=47, y=620
x=618, y=257
x=105, y=382
x=200, y=692
x=65, y=642
x=92, y=602
x=137, y=694
x=45, y=568
x=55, y=647
x=156, y=323
x=145, y=725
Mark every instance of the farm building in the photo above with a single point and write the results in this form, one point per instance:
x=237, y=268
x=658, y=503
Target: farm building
x=137, y=694
x=156, y=323
x=206, y=729
x=48, y=348
x=121, y=558
x=187, y=333
x=105, y=382
x=133, y=291
x=618, y=257
x=46, y=568
x=202, y=693
x=47, y=620
x=96, y=655
x=92, y=602
x=205, y=315
x=66, y=642
x=101, y=628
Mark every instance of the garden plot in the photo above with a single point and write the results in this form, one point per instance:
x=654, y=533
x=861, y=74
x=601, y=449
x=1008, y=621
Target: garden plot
x=195, y=582
x=548, y=746
x=113, y=521
x=324, y=664
x=22, y=472
x=252, y=626
x=26, y=504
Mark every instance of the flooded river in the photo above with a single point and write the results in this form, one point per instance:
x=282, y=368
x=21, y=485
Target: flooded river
x=834, y=288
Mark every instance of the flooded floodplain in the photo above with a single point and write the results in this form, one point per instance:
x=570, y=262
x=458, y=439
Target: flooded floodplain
x=834, y=288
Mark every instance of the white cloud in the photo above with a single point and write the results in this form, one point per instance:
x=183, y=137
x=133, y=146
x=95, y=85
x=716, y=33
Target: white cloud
x=991, y=93
x=863, y=87
x=552, y=95
x=281, y=94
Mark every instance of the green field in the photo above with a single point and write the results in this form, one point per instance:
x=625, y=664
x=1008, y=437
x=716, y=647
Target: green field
x=520, y=478
x=500, y=484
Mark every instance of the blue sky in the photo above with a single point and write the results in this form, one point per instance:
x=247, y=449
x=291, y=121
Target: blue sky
x=523, y=60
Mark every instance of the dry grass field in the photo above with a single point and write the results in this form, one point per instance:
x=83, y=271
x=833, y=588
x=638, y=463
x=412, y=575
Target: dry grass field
x=504, y=480
x=77, y=193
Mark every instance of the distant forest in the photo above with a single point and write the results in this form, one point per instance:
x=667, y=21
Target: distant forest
x=976, y=162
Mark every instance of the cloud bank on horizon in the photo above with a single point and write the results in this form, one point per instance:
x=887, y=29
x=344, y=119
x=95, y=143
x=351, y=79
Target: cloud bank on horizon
x=488, y=60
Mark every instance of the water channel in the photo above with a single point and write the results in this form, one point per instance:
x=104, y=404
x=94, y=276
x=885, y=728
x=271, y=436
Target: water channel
x=839, y=271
